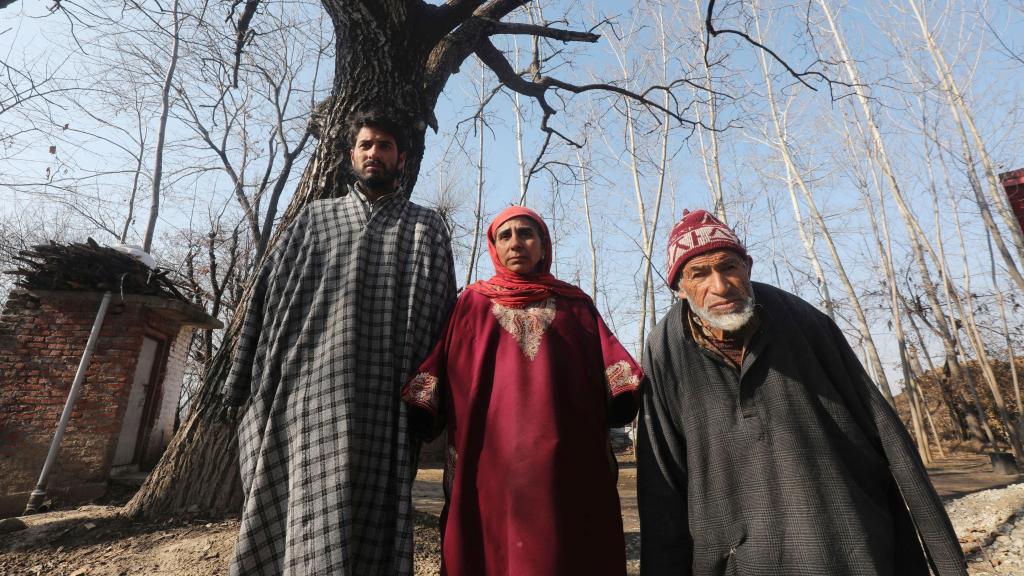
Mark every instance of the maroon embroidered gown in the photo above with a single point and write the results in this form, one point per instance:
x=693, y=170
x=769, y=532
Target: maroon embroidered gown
x=528, y=396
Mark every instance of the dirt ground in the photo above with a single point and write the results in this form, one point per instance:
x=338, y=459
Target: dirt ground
x=95, y=541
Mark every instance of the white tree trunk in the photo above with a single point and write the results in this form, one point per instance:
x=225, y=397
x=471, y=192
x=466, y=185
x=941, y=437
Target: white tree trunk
x=712, y=167
x=881, y=157
x=951, y=300
x=971, y=326
x=885, y=254
x=478, y=212
x=585, y=181
x=957, y=101
x=795, y=177
x=161, y=135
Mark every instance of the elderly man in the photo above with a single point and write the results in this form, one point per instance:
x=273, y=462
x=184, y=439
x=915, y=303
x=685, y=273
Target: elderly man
x=349, y=301
x=764, y=447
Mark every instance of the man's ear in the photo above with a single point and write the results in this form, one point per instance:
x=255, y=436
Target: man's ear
x=750, y=262
x=401, y=161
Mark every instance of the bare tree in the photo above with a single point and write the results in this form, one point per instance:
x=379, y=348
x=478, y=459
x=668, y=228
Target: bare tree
x=161, y=133
x=478, y=212
x=585, y=185
x=962, y=115
x=393, y=54
x=258, y=152
x=1010, y=356
x=884, y=162
x=710, y=157
x=958, y=112
x=795, y=177
x=971, y=327
x=951, y=300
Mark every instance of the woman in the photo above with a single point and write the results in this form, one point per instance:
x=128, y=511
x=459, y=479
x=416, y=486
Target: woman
x=528, y=380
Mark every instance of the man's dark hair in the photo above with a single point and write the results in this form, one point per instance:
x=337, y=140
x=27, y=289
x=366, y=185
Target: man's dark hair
x=377, y=119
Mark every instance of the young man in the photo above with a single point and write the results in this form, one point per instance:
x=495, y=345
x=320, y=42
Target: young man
x=346, y=305
x=764, y=446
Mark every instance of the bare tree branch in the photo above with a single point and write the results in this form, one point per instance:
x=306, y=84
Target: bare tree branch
x=244, y=33
x=439, y=21
x=1009, y=51
x=543, y=32
x=713, y=32
x=537, y=89
x=496, y=61
x=498, y=9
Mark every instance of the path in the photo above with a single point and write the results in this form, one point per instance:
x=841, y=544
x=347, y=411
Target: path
x=953, y=478
x=965, y=474
x=93, y=541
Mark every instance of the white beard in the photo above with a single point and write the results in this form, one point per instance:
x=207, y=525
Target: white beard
x=729, y=321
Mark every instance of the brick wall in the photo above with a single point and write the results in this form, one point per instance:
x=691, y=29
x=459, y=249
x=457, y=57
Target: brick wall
x=41, y=344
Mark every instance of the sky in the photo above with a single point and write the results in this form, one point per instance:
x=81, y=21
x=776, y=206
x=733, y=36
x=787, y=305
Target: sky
x=987, y=62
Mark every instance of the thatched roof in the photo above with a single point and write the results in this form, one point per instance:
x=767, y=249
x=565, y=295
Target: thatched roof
x=89, y=267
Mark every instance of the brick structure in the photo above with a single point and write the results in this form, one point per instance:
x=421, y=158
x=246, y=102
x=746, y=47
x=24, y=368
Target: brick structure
x=1013, y=184
x=141, y=347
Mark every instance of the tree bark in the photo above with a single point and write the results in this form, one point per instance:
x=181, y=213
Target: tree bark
x=957, y=102
x=941, y=381
x=967, y=312
x=585, y=182
x=161, y=135
x=393, y=55
x=382, y=61
x=712, y=167
x=881, y=156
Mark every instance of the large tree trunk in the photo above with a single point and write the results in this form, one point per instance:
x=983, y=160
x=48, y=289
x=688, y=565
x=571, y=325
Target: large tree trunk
x=379, y=63
x=198, y=473
x=393, y=55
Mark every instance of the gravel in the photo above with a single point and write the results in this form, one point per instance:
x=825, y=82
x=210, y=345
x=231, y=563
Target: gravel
x=990, y=525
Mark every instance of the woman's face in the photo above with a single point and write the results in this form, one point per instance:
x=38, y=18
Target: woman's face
x=519, y=245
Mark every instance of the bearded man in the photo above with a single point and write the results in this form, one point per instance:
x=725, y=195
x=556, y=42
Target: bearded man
x=348, y=302
x=764, y=447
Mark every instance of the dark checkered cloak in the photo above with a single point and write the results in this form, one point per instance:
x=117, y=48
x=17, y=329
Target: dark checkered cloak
x=348, y=303
x=793, y=466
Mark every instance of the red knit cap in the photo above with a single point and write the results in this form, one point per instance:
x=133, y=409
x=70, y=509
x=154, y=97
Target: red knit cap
x=698, y=232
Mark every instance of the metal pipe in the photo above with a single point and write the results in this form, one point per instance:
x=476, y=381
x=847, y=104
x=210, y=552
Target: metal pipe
x=35, y=500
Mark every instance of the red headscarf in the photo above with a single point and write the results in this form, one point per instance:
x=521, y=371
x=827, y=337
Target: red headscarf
x=516, y=290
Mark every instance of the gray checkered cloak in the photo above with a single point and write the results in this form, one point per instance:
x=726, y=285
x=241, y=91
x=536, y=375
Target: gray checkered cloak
x=349, y=301
x=792, y=466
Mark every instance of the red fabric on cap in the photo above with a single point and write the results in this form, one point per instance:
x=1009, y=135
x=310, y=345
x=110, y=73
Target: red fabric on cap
x=698, y=232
